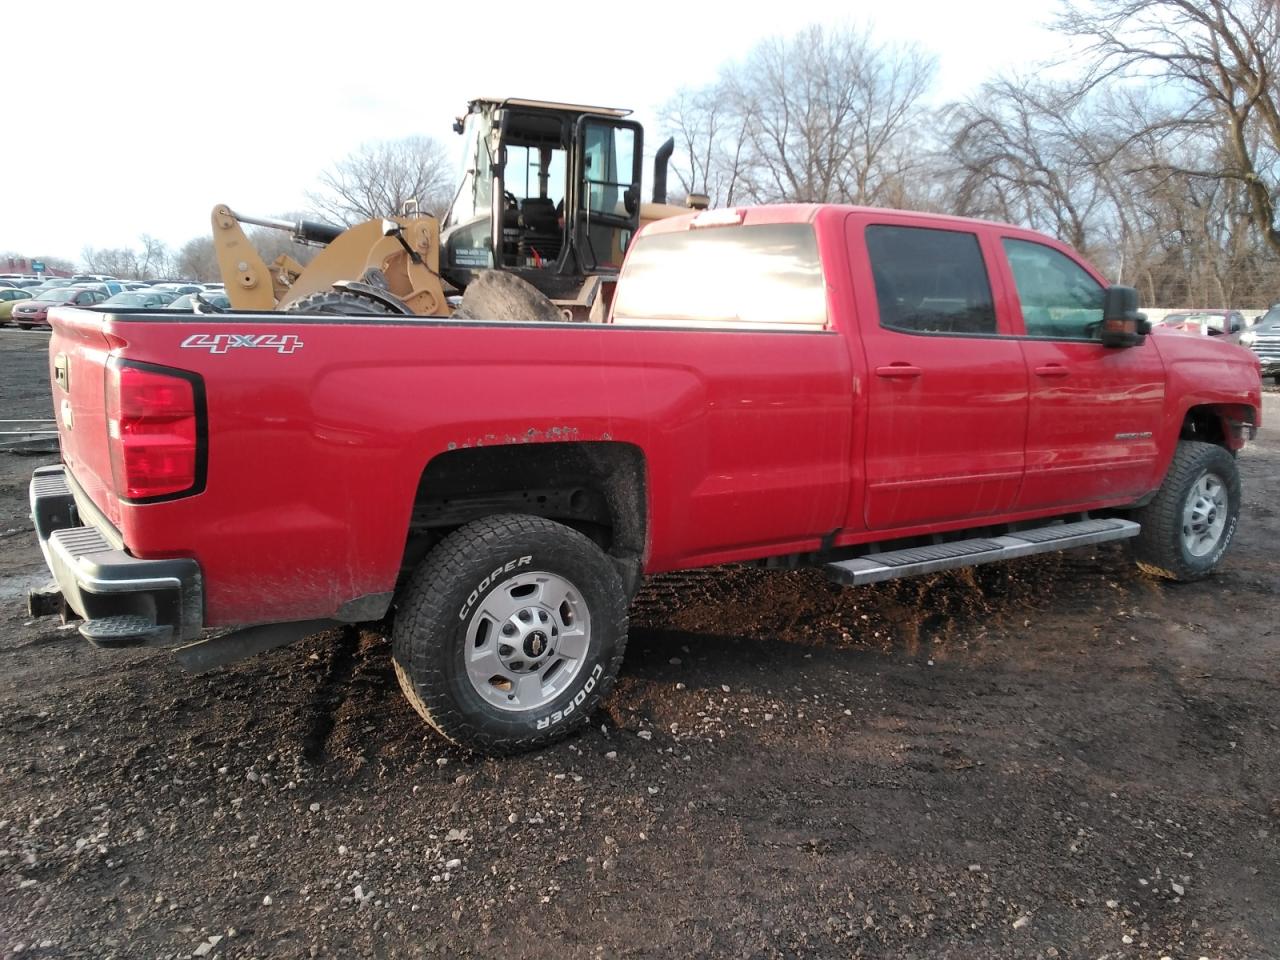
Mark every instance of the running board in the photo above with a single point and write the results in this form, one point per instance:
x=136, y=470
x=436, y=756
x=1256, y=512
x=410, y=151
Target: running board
x=913, y=561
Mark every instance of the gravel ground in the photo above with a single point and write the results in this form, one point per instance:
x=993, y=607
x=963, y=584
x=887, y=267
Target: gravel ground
x=1058, y=757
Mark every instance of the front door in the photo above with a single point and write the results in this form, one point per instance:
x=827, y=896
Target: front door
x=946, y=386
x=1095, y=410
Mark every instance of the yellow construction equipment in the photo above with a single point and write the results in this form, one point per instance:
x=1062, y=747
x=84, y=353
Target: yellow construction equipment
x=549, y=194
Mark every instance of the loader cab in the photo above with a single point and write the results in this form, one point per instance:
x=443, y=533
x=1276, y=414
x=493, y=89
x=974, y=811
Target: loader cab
x=549, y=191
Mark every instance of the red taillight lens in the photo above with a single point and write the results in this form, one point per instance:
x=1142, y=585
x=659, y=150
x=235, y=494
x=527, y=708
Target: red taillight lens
x=153, y=431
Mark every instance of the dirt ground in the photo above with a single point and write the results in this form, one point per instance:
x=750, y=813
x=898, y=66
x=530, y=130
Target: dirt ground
x=1057, y=757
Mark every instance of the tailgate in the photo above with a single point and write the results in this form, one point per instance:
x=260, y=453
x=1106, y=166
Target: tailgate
x=78, y=353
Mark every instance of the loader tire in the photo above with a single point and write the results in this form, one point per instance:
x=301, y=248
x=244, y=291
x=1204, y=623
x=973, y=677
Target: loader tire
x=510, y=633
x=1187, y=528
x=498, y=295
x=339, y=302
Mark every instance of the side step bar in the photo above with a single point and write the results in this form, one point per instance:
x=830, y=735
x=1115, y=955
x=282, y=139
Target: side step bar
x=913, y=561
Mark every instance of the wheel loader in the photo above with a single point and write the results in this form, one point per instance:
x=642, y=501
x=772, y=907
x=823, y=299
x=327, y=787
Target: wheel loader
x=548, y=200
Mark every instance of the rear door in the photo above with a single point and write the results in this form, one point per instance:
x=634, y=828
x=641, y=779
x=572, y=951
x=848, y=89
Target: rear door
x=946, y=386
x=1095, y=410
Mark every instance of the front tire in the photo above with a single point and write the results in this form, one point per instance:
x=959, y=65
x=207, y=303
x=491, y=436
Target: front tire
x=1187, y=528
x=510, y=633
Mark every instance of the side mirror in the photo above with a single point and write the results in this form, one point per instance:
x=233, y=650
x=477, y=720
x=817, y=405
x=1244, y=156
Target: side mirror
x=631, y=199
x=1122, y=324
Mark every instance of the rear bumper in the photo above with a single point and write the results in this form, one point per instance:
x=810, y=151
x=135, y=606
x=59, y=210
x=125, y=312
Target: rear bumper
x=122, y=600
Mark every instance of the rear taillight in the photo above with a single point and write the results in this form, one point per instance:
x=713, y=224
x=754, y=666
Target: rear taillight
x=155, y=431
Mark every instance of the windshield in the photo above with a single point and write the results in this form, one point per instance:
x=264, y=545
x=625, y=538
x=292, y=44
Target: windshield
x=130, y=299
x=476, y=182
x=59, y=293
x=1210, y=321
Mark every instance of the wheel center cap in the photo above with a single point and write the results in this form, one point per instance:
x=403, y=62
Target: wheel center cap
x=535, y=644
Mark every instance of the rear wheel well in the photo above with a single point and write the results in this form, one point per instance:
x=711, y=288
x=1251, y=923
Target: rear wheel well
x=595, y=487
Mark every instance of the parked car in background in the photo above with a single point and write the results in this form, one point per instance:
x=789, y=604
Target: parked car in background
x=53, y=283
x=96, y=286
x=8, y=298
x=1209, y=323
x=140, y=299
x=188, y=300
x=35, y=312
x=179, y=287
x=1264, y=340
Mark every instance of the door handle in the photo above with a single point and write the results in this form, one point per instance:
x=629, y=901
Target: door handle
x=1052, y=370
x=900, y=370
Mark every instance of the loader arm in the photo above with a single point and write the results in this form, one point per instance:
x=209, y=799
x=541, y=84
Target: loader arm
x=247, y=280
x=412, y=277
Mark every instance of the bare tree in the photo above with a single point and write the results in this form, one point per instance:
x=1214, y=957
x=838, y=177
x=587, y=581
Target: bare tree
x=197, y=260
x=823, y=116
x=1221, y=57
x=827, y=115
x=710, y=137
x=1030, y=153
x=149, y=262
x=379, y=178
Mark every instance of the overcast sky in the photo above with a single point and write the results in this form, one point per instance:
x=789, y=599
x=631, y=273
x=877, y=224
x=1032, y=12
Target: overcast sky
x=142, y=116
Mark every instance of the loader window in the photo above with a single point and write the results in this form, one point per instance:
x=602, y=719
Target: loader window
x=535, y=172
x=475, y=188
x=609, y=159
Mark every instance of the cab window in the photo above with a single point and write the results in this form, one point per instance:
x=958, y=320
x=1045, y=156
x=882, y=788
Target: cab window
x=1060, y=299
x=930, y=281
x=761, y=275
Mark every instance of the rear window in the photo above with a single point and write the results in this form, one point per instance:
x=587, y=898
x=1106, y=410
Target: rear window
x=763, y=275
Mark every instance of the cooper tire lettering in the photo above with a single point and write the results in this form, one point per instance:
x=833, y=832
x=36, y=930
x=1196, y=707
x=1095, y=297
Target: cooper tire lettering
x=487, y=582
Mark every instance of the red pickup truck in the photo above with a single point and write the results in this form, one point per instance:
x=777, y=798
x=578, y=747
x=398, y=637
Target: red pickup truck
x=882, y=393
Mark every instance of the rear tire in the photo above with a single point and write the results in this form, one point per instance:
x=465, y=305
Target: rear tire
x=510, y=633
x=1187, y=528
x=340, y=302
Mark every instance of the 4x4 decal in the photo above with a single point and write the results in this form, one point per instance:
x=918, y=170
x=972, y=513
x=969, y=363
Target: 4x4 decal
x=222, y=342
